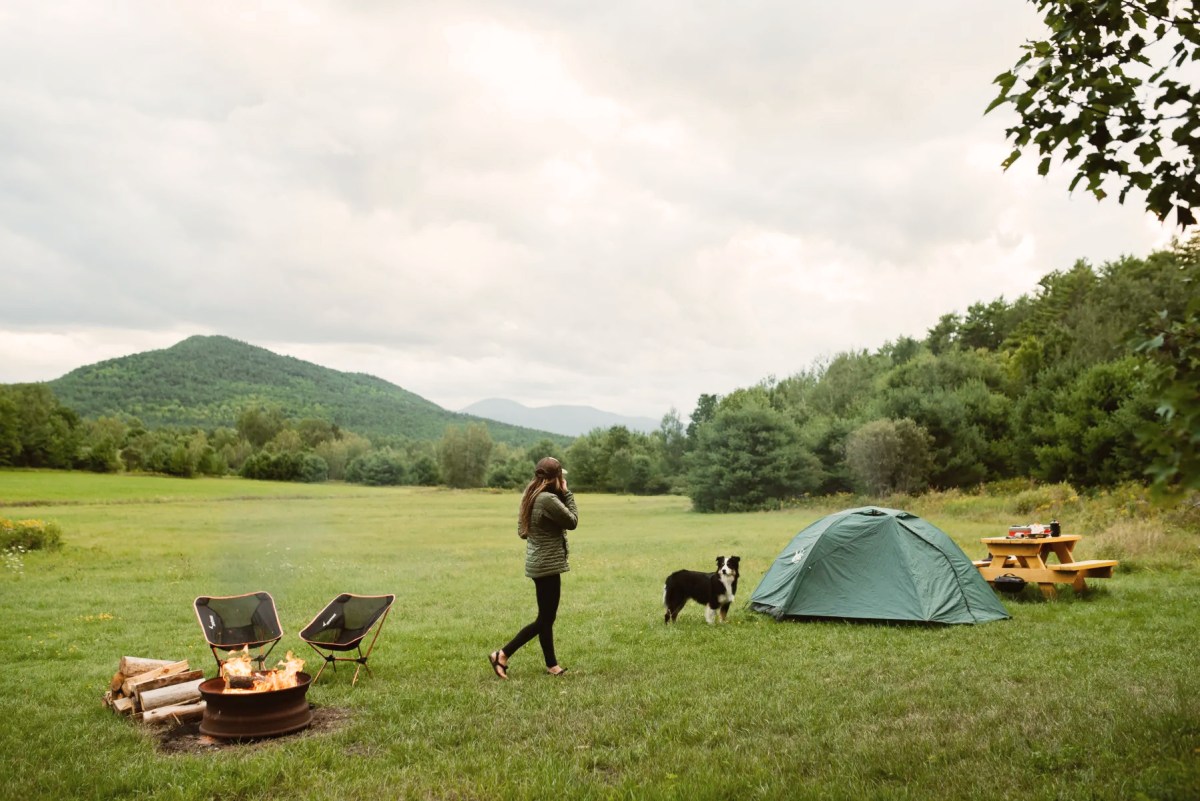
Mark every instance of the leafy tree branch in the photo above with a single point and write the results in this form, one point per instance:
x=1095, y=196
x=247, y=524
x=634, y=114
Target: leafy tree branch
x=1108, y=90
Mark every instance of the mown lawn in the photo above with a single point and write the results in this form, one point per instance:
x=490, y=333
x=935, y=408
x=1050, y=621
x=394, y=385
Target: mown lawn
x=1095, y=697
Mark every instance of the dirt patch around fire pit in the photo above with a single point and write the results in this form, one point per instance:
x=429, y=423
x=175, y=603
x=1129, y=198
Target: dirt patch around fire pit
x=186, y=738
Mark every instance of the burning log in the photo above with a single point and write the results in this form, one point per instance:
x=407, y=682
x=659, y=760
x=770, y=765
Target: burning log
x=240, y=676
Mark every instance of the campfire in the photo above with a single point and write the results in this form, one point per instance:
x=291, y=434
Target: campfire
x=240, y=676
x=239, y=704
x=244, y=703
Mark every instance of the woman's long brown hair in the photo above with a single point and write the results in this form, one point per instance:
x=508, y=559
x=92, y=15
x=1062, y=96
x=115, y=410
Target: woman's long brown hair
x=532, y=490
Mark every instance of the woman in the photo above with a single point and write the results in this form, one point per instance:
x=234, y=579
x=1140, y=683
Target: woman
x=547, y=512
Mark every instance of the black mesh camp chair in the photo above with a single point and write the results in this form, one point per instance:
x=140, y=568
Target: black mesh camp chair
x=234, y=622
x=343, y=625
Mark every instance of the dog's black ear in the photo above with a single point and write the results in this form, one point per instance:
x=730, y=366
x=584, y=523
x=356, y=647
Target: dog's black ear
x=720, y=561
x=733, y=561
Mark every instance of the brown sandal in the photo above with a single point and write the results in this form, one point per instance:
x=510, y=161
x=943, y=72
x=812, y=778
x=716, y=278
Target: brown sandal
x=500, y=668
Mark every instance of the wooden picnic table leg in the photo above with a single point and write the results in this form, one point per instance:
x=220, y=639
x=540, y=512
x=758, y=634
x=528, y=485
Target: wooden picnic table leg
x=1062, y=550
x=1079, y=583
x=1035, y=562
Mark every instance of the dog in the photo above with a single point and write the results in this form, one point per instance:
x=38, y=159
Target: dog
x=714, y=590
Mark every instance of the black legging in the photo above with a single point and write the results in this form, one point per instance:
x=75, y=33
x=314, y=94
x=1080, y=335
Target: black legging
x=549, y=589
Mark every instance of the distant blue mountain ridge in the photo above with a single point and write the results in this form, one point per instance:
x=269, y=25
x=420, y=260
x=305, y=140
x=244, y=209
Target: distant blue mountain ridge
x=570, y=421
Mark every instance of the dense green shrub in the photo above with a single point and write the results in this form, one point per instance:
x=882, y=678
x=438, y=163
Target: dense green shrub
x=306, y=467
x=748, y=459
x=425, y=471
x=889, y=456
x=464, y=454
x=512, y=473
x=35, y=429
x=31, y=535
x=378, y=469
x=1044, y=499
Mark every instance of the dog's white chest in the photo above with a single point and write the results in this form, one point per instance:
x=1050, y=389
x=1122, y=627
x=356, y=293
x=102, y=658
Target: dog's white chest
x=727, y=596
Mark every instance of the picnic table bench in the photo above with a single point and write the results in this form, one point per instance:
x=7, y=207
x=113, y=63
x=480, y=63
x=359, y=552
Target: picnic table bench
x=1028, y=558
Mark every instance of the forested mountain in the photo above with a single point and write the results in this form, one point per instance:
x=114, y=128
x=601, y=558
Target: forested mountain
x=207, y=381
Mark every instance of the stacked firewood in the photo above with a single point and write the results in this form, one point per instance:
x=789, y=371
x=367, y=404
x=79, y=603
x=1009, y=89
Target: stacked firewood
x=155, y=690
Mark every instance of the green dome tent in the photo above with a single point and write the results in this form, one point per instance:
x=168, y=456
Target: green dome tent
x=876, y=564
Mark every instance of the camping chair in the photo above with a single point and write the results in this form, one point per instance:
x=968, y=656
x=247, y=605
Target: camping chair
x=234, y=622
x=343, y=624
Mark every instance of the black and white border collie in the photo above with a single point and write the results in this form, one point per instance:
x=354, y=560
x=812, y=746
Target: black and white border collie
x=714, y=590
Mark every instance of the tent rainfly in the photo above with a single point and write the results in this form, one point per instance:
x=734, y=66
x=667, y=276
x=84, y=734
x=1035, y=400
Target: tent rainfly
x=876, y=564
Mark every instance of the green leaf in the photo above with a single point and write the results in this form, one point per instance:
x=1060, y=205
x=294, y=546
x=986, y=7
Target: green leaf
x=999, y=100
x=1012, y=158
x=1148, y=152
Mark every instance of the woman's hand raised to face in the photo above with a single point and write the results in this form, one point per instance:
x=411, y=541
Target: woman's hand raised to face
x=562, y=484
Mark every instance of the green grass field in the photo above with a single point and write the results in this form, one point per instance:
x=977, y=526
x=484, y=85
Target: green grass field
x=1096, y=697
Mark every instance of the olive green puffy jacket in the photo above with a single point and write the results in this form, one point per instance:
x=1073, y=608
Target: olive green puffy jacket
x=546, y=540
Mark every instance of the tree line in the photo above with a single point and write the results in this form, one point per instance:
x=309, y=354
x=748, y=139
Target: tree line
x=1091, y=380
x=1065, y=384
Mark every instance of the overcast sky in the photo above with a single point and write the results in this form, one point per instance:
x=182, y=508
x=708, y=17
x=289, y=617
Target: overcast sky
x=615, y=204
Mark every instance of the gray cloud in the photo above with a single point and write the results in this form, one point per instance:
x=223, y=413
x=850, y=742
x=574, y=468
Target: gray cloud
x=612, y=204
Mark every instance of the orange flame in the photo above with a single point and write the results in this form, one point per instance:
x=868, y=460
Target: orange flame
x=284, y=674
x=238, y=665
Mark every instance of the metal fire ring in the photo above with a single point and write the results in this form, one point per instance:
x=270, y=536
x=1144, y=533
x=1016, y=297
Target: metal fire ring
x=245, y=716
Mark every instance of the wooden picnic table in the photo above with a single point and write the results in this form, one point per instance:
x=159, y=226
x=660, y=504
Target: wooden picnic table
x=1029, y=558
